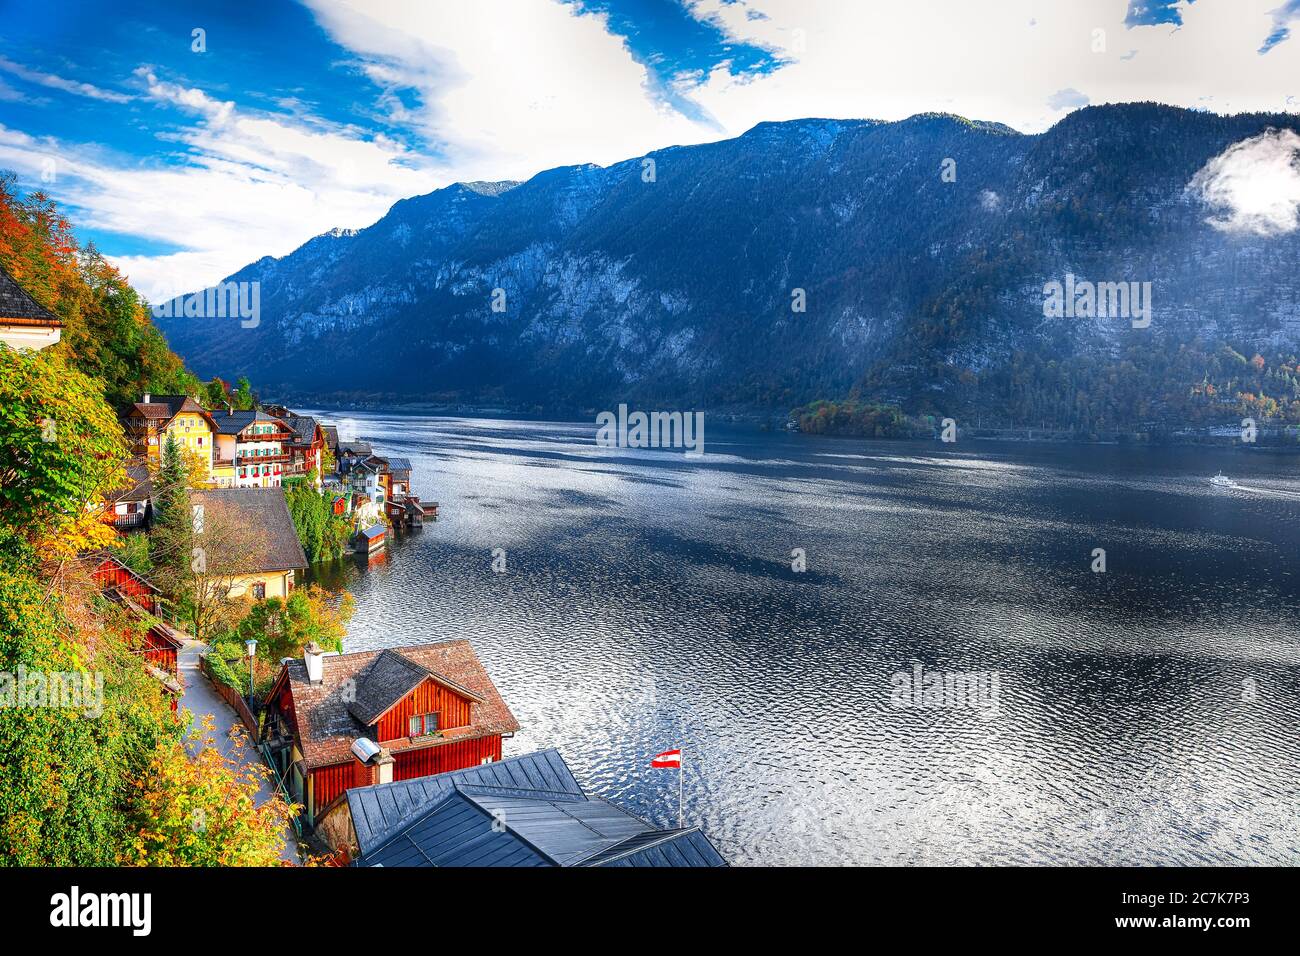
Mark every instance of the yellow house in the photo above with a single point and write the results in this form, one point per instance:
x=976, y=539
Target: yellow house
x=150, y=421
x=277, y=559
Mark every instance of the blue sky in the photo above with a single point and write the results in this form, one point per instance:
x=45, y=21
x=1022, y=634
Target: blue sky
x=296, y=116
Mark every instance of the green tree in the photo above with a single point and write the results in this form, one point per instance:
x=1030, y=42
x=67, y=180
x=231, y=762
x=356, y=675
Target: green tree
x=244, y=394
x=282, y=627
x=324, y=535
x=170, y=547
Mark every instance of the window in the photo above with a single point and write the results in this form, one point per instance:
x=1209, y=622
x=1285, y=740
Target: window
x=259, y=590
x=422, y=725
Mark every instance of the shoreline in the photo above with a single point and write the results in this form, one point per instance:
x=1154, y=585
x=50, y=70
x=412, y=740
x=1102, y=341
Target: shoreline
x=775, y=424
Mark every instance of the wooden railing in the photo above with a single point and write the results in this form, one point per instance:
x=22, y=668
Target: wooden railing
x=231, y=697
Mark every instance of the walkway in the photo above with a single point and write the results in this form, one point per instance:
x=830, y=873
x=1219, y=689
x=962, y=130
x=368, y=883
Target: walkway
x=201, y=699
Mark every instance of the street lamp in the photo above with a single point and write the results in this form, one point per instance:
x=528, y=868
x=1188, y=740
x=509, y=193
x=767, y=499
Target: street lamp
x=252, y=649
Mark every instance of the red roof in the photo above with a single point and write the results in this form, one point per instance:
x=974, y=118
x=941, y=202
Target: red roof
x=327, y=727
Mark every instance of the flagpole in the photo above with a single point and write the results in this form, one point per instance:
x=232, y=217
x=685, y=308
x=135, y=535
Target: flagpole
x=681, y=769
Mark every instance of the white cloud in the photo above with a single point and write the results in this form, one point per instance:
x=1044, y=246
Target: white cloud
x=249, y=185
x=1254, y=186
x=59, y=83
x=984, y=60
x=1070, y=99
x=510, y=87
x=502, y=89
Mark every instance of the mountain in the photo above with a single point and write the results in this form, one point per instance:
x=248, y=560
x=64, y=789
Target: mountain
x=675, y=290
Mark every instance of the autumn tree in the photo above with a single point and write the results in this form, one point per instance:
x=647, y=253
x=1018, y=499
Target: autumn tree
x=108, y=333
x=61, y=451
x=203, y=809
x=217, y=547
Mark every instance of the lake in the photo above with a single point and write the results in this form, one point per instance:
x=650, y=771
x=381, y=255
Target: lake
x=1144, y=714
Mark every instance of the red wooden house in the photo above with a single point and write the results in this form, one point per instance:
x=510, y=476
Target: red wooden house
x=112, y=575
x=160, y=644
x=335, y=721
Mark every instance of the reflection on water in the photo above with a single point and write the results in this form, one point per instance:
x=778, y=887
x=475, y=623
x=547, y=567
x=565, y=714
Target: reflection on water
x=1145, y=715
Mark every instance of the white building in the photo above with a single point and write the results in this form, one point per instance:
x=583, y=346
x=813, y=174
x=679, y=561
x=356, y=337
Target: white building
x=253, y=442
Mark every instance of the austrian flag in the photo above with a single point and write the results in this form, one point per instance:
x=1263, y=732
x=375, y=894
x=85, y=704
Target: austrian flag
x=669, y=758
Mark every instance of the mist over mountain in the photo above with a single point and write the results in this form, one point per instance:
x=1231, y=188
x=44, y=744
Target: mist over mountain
x=671, y=284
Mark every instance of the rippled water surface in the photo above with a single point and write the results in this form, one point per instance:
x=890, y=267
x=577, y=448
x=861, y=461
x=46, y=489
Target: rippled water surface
x=1143, y=715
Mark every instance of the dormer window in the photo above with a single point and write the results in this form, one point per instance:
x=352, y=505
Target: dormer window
x=423, y=725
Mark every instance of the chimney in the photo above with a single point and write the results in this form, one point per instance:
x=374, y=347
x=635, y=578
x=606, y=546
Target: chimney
x=230, y=410
x=384, y=763
x=314, y=657
x=147, y=396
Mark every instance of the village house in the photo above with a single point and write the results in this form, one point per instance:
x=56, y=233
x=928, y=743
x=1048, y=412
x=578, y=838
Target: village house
x=527, y=810
x=304, y=447
x=128, y=507
x=278, y=562
x=366, y=475
x=253, y=443
x=386, y=481
x=330, y=435
x=335, y=721
x=160, y=644
x=153, y=418
x=25, y=324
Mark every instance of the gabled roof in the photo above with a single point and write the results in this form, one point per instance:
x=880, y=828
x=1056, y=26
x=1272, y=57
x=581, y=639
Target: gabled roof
x=230, y=422
x=265, y=511
x=303, y=427
x=369, y=463
x=397, y=464
x=379, y=811
x=331, y=433
x=470, y=823
x=327, y=726
x=390, y=678
x=354, y=448
x=137, y=487
x=164, y=408
x=19, y=308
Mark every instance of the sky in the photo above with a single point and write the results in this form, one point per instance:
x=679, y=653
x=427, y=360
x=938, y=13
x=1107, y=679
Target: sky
x=188, y=139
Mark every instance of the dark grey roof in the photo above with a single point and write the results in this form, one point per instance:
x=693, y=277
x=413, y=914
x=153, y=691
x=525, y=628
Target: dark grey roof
x=354, y=448
x=468, y=823
x=137, y=487
x=378, y=811
x=663, y=848
x=456, y=832
x=233, y=422
x=303, y=427
x=331, y=435
x=265, y=511
x=388, y=679
x=17, y=304
x=397, y=464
